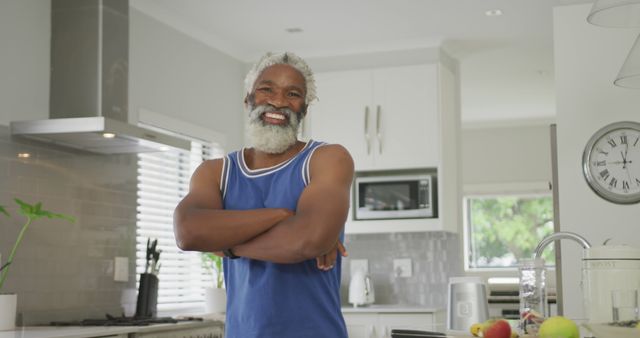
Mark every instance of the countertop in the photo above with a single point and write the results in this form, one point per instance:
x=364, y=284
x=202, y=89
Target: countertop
x=390, y=308
x=97, y=331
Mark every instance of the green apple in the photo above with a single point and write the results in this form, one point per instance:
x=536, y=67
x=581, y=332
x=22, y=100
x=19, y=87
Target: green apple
x=558, y=327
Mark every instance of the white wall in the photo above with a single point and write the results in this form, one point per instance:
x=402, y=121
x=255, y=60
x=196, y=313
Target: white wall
x=506, y=155
x=587, y=59
x=487, y=86
x=25, y=34
x=177, y=76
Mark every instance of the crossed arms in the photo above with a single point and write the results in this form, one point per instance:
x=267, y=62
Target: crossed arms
x=276, y=235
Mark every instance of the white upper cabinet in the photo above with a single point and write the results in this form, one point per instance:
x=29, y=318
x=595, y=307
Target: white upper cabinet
x=404, y=117
x=342, y=113
x=387, y=118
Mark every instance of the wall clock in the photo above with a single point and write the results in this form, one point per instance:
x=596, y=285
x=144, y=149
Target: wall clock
x=611, y=162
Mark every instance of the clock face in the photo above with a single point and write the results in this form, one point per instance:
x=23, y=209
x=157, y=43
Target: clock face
x=611, y=162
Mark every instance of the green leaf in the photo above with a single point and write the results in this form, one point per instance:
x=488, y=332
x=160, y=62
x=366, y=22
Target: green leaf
x=35, y=211
x=213, y=264
x=4, y=211
x=32, y=212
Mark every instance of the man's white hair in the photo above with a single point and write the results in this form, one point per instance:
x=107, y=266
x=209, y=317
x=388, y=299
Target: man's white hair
x=286, y=58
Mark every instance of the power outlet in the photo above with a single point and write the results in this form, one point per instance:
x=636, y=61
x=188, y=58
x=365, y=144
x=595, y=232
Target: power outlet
x=359, y=264
x=121, y=269
x=402, y=267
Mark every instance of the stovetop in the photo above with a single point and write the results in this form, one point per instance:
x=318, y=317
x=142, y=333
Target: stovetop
x=124, y=321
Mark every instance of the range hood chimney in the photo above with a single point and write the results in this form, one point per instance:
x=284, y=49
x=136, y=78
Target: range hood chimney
x=88, y=106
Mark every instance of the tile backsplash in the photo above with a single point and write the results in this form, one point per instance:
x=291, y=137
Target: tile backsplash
x=435, y=257
x=64, y=271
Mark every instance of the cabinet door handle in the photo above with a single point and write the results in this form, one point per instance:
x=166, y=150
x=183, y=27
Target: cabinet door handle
x=378, y=135
x=366, y=129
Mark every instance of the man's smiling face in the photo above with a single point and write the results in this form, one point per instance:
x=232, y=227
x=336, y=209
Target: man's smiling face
x=276, y=105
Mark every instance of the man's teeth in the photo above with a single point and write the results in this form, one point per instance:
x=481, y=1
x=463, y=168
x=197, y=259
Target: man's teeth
x=274, y=116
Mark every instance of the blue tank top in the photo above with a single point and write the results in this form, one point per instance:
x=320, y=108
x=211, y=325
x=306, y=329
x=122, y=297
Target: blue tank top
x=270, y=300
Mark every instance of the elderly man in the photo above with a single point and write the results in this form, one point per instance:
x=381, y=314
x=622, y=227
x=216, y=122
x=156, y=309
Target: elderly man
x=277, y=212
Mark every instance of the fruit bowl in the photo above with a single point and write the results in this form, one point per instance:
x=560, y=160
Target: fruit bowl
x=610, y=331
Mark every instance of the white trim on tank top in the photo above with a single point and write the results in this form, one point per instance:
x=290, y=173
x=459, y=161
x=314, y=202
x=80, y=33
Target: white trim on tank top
x=246, y=171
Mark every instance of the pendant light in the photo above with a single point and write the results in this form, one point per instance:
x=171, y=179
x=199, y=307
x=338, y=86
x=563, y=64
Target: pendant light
x=615, y=13
x=629, y=75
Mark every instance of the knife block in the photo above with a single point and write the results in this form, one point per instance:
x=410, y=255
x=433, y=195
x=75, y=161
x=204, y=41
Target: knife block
x=146, y=306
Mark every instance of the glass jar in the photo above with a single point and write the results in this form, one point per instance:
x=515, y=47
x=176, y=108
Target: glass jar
x=533, y=295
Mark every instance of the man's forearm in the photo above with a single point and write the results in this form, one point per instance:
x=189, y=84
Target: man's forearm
x=284, y=243
x=200, y=229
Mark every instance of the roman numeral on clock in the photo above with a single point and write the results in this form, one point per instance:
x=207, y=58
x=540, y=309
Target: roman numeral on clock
x=625, y=186
x=613, y=182
x=623, y=139
x=612, y=143
x=636, y=142
x=601, y=163
x=604, y=174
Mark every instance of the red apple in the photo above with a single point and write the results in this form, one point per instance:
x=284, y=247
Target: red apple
x=499, y=328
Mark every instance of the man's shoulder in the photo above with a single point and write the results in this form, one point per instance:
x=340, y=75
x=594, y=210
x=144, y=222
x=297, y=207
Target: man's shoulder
x=332, y=156
x=332, y=149
x=212, y=166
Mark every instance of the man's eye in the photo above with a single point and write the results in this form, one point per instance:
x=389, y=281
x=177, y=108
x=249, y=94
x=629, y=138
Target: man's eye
x=264, y=89
x=295, y=94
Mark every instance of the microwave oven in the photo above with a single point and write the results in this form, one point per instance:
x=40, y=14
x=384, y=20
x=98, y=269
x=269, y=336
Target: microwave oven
x=392, y=196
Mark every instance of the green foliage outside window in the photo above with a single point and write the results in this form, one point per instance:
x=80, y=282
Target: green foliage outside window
x=506, y=229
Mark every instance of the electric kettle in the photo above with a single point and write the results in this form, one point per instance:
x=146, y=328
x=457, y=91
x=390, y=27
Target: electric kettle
x=605, y=268
x=361, y=289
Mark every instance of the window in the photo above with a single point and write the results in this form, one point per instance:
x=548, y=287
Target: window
x=163, y=180
x=500, y=230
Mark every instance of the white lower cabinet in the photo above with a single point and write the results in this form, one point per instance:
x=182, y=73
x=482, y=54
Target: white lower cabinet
x=379, y=325
x=204, y=331
x=361, y=325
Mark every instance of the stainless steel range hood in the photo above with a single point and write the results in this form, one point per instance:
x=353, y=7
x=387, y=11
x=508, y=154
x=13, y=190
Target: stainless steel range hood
x=88, y=106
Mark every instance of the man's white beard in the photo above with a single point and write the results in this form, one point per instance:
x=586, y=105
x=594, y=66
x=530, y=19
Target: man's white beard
x=269, y=138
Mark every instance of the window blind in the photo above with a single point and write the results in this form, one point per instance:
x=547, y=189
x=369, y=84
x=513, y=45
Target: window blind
x=163, y=180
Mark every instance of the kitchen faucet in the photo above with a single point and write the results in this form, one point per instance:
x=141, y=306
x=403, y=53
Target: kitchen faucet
x=558, y=236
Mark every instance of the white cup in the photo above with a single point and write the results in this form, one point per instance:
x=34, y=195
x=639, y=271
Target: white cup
x=624, y=305
x=128, y=301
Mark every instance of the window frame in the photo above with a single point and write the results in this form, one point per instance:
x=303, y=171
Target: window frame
x=499, y=189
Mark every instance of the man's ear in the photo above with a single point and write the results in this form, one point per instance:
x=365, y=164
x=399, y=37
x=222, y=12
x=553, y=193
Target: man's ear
x=249, y=99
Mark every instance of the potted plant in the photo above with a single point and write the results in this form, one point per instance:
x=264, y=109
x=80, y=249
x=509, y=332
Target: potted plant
x=8, y=301
x=216, y=295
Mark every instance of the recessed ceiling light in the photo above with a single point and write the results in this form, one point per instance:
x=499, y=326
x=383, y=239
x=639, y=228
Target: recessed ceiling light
x=293, y=30
x=493, y=12
x=24, y=155
x=163, y=148
x=108, y=135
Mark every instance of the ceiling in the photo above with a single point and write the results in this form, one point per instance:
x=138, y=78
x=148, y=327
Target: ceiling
x=506, y=61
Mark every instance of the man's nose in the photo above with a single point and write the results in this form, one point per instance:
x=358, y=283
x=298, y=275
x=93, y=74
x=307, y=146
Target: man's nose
x=278, y=100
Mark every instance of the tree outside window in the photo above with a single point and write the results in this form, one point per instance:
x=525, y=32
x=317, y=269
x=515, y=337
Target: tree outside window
x=504, y=229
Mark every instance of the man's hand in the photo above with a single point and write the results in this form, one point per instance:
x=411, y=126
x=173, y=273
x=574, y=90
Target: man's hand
x=326, y=261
